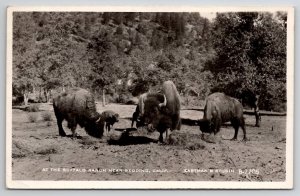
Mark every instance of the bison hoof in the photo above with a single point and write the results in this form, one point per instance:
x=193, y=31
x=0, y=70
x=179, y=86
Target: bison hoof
x=234, y=139
x=162, y=142
x=245, y=139
x=76, y=136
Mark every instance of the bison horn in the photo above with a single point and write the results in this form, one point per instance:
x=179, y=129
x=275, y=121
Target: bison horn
x=164, y=103
x=98, y=119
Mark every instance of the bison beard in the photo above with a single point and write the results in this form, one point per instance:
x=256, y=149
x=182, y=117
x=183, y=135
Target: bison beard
x=219, y=109
x=77, y=106
x=162, y=111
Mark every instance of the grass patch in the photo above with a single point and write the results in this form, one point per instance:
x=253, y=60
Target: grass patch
x=20, y=149
x=47, y=116
x=88, y=141
x=49, y=124
x=33, y=117
x=188, y=141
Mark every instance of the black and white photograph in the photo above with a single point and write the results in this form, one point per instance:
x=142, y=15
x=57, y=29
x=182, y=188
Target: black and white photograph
x=150, y=98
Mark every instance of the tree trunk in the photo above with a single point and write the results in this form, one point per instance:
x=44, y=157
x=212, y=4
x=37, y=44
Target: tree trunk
x=40, y=95
x=103, y=97
x=256, y=112
x=25, y=98
x=34, y=94
x=49, y=96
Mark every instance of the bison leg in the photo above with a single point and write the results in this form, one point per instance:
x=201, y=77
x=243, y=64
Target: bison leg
x=161, y=130
x=179, y=124
x=72, y=124
x=74, y=134
x=244, y=129
x=236, y=124
x=107, y=127
x=176, y=122
x=161, y=139
x=167, y=135
x=60, y=128
x=59, y=124
x=134, y=118
x=257, y=116
x=216, y=126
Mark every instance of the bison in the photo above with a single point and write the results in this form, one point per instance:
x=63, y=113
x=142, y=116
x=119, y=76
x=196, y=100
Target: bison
x=162, y=111
x=77, y=106
x=219, y=109
x=248, y=98
x=110, y=118
x=137, y=118
x=251, y=99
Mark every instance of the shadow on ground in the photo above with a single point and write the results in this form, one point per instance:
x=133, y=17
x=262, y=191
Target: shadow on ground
x=127, y=139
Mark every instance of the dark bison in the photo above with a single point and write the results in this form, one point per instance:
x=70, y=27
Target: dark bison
x=246, y=96
x=219, y=109
x=137, y=116
x=77, y=106
x=162, y=111
x=249, y=98
x=110, y=118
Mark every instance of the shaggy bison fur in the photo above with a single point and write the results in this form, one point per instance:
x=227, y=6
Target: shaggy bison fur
x=219, y=109
x=137, y=116
x=162, y=111
x=77, y=106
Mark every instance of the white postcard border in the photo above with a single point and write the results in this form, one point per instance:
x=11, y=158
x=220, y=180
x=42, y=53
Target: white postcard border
x=287, y=184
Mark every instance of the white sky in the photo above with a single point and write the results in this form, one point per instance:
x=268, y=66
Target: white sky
x=209, y=15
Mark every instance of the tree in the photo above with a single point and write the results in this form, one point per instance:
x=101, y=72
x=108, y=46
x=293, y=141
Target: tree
x=104, y=61
x=23, y=45
x=251, y=55
x=46, y=53
x=108, y=52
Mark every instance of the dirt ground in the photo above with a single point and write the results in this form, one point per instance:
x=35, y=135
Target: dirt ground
x=39, y=153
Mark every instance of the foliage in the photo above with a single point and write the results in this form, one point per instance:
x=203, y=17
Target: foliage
x=126, y=54
x=251, y=55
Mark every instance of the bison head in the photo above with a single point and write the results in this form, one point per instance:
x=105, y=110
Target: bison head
x=114, y=118
x=154, y=110
x=205, y=126
x=140, y=122
x=95, y=128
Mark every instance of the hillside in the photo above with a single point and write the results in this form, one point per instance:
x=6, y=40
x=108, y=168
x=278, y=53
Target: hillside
x=124, y=54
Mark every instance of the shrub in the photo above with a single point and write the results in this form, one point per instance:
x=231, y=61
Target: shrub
x=123, y=98
x=32, y=117
x=47, y=116
x=32, y=108
x=48, y=149
x=20, y=148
